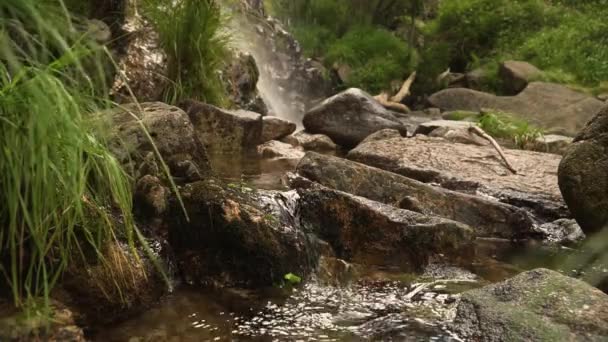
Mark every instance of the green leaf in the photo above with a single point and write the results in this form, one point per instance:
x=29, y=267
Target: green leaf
x=292, y=278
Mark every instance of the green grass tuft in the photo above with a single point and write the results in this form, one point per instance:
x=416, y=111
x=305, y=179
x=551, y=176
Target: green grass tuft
x=506, y=126
x=192, y=35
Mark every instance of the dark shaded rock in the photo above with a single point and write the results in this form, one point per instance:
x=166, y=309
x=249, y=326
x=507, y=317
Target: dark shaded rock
x=150, y=195
x=553, y=107
x=274, y=128
x=172, y=133
x=488, y=218
x=236, y=237
x=311, y=142
x=372, y=233
x=17, y=326
x=539, y=305
x=349, y=117
x=242, y=79
x=472, y=169
x=582, y=175
x=516, y=75
x=277, y=149
x=224, y=131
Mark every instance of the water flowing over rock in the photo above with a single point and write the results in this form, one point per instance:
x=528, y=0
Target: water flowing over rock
x=234, y=237
x=349, y=117
x=539, y=305
x=372, y=233
x=225, y=131
x=288, y=83
x=472, y=169
x=583, y=177
x=487, y=217
x=172, y=133
x=553, y=107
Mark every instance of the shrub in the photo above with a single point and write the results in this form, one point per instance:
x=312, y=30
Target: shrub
x=375, y=55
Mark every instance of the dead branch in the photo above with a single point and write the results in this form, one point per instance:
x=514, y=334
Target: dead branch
x=386, y=103
x=405, y=89
x=481, y=133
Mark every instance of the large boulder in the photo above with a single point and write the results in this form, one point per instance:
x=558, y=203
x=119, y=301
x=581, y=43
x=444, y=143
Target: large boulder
x=275, y=128
x=473, y=169
x=488, y=218
x=349, y=117
x=539, y=305
x=372, y=233
x=582, y=175
x=234, y=236
x=553, y=107
x=225, y=131
x=172, y=134
x=516, y=75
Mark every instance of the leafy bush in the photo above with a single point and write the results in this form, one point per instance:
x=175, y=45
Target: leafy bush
x=191, y=34
x=61, y=187
x=375, y=55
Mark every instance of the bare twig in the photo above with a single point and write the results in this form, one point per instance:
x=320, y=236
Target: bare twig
x=481, y=133
x=405, y=89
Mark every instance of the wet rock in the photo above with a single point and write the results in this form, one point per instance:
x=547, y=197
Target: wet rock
x=539, y=305
x=563, y=231
x=281, y=150
x=241, y=79
x=234, y=237
x=225, y=131
x=142, y=66
x=553, y=107
x=552, y=143
x=172, y=134
x=516, y=75
x=17, y=326
x=311, y=142
x=274, y=128
x=472, y=169
x=487, y=217
x=372, y=233
x=335, y=272
x=349, y=117
x=582, y=175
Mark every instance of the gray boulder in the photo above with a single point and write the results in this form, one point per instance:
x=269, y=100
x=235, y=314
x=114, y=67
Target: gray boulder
x=582, y=175
x=539, y=305
x=552, y=143
x=349, y=117
x=311, y=142
x=224, y=131
x=472, y=169
x=516, y=75
x=554, y=107
x=488, y=218
x=372, y=233
x=280, y=150
x=274, y=128
x=172, y=133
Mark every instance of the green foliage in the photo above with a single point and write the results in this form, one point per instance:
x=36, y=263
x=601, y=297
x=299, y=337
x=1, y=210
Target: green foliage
x=62, y=190
x=292, y=279
x=192, y=35
x=375, y=55
x=503, y=125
